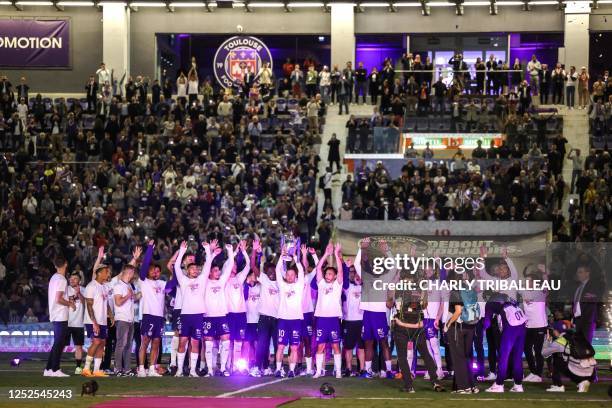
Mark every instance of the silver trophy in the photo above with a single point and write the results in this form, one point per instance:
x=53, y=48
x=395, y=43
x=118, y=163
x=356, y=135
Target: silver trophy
x=291, y=243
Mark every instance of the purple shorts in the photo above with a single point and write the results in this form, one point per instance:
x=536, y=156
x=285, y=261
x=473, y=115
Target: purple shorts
x=289, y=332
x=328, y=330
x=215, y=326
x=176, y=320
x=307, y=324
x=251, y=332
x=191, y=325
x=430, y=330
x=102, y=334
x=375, y=326
x=152, y=326
x=237, y=326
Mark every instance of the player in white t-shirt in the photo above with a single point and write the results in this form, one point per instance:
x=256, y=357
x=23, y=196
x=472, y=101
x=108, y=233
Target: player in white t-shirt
x=193, y=287
x=58, y=315
x=534, y=305
x=308, y=309
x=123, y=297
x=352, y=320
x=215, y=325
x=176, y=303
x=236, y=308
x=290, y=314
x=375, y=320
x=329, y=310
x=96, y=316
x=76, y=328
x=253, y=294
x=267, y=325
x=152, y=305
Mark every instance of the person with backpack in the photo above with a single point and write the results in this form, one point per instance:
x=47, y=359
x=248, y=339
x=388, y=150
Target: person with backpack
x=573, y=356
x=459, y=329
x=512, y=340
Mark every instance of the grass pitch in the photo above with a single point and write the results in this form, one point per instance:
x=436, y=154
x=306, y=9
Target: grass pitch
x=350, y=392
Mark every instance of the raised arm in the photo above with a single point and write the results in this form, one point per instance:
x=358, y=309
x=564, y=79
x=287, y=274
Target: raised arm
x=212, y=251
x=144, y=267
x=339, y=263
x=511, y=266
x=136, y=255
x=300, y=269
x=178, y=272
x=280, y=267
x=482, y=272
x=328, y=251
x=98, y=262
x=247, y=263
x=255, y=252
x=229, y=264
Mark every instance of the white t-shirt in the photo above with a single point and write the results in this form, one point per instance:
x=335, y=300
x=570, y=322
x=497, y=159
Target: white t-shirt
x=307, y=305
x=153, y=297
x=137, y=303
x=290, y=306
x=534, y=305
x=192, y=87
x=75, y=317
x=433, y=305
x=178, y=298
x=329, y=299
x=125, y=312
x=351, y=308
x=57, y=312
x=234, y=292
x=109, y=290
x=99, y=294
x=252, y=304
x=269, y=296
x=214, y=296
x=193, y=292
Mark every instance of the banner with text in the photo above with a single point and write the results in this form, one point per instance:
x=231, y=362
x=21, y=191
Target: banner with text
x=34, y=43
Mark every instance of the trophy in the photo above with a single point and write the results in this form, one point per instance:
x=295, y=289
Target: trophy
x=291, y=243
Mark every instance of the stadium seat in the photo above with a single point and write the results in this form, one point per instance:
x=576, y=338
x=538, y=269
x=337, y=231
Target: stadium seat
x=422, y=124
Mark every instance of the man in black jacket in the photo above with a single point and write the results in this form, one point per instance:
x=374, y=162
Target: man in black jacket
x=361, y=78
x=586, y=302
x=349, y=76
x=545, y=81
x=91, y=89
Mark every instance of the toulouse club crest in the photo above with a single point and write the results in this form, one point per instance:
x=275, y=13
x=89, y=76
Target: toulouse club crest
x=235, y=55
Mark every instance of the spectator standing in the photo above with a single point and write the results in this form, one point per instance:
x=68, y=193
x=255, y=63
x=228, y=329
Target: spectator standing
x=333, y=156
x=570, y=87
x=361, y=83
x=533, y=69
x=583, y=88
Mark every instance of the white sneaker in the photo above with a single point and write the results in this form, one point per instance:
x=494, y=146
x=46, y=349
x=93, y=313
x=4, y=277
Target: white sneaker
x=179, y=373
x=193, y=374
x=583, y=386
x=153, y=373
x=78, y=371
x=338, y=374
x=141, y=373
x=517, y=388
x=495, y=388
x=318, y=374
x=48, y=373
x=268, y=372
x=426, y=376
x=556, y=388
x=532, y=378
x=59, y=373
x=491, y=377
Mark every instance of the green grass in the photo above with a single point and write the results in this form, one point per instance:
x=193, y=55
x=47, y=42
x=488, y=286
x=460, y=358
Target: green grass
x=350, y=392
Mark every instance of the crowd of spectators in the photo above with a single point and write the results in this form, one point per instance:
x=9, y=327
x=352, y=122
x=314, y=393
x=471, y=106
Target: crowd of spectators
x=169, y=159
x=137, y=162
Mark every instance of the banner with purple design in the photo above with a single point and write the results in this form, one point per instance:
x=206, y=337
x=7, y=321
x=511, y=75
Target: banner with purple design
x=34, y=43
